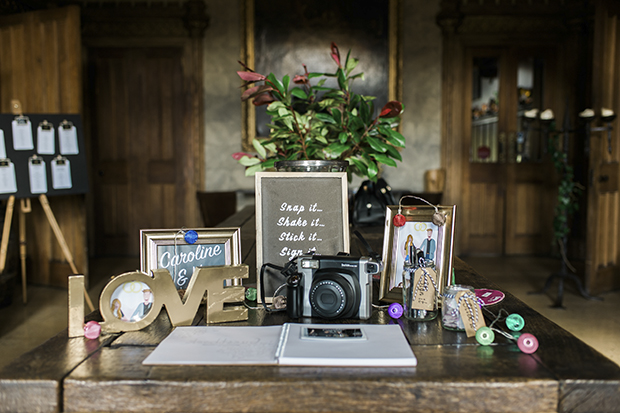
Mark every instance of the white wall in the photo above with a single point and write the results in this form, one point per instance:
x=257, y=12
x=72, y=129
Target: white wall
x=421, y=124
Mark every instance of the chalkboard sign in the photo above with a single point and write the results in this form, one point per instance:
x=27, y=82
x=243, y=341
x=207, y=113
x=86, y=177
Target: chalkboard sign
x=297, y=213
x=42, y=154
x=181, y=250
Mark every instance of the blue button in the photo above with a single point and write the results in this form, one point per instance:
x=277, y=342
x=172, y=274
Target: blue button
x=191, y=236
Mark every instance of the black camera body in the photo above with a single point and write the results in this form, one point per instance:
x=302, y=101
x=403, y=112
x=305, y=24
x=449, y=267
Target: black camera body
x=331, y=287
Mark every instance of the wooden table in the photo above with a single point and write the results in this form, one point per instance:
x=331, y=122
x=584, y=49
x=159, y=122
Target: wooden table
x=454, y=373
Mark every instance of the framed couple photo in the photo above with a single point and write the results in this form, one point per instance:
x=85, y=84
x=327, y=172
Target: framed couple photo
x=420, y=232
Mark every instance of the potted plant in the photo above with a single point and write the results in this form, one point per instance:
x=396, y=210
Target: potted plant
x=318, y=122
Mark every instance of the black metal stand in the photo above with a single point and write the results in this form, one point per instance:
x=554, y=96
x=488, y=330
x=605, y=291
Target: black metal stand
x=563, y=275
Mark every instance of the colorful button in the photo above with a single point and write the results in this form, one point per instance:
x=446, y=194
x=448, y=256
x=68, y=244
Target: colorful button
x=191, y=236
x=515, y=322
x=485, y=336
x=395, y=310
x=527, y=343
x=250, y=294
x=399, y=220
x=92, y=330
x=488, y=296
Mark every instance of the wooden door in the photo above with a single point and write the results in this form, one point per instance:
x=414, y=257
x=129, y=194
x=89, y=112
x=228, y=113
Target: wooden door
x=507, y=180
x=40, y=65
x=143, y=152
x=603, y=220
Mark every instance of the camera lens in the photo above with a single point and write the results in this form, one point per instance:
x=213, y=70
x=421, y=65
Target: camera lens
x=333, y=296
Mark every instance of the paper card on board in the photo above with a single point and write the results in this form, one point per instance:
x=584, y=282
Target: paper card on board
x=2, y=145
x=67, y=137
x=8, y=182
x=22, y=134
x=61, y=173
x=37, y=175
x=45, y=140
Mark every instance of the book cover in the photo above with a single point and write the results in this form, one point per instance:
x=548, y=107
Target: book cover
x=288, y=345
x=344, y=345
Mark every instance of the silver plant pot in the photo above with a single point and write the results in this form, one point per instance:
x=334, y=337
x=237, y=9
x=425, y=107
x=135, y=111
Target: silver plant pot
x=311, y=166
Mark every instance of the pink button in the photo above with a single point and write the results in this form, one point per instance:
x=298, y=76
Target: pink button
x=489, y=297
x=92, y=330
x=527, y=343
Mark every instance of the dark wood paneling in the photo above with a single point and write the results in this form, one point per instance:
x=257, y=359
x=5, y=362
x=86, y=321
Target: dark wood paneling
x=40, y=59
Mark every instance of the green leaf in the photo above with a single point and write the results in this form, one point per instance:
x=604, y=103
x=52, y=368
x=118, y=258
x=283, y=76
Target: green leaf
x=343, y=137
x=299, y=93
x=359, y=75
x=269, y=163
x=373, y=170
x=288, y=121
x=260, y=149
x=274, y=106
x=247, y=161
x=394, y=137
x=364, y=112
x=355, y=122
x=376, y=144
x=379, y=157
x=361, y=166
x=286, y=81
x=325, y=118
x=321, y=139
x=272, y=78
x=351, y=64
x=342, y=81
x=336, y=149
x=270, y=146
x=393, y=152
x=253, y=169
x=337, y=115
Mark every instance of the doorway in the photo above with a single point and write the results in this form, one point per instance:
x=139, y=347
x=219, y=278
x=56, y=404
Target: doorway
x=143, y=153
x=508, y=180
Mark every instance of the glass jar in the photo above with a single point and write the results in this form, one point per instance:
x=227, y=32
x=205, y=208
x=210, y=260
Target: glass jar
x=414, y=293
x=311, y=166
x=450, y=314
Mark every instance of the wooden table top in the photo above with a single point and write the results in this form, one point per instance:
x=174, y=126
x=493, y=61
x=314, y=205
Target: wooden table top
x=454, y=373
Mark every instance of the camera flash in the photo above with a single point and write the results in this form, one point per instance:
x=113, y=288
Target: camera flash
x=310, y=264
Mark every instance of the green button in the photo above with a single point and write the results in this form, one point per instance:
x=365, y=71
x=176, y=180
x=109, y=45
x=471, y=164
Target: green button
x=485, y=336
x=250, y=294
x=515, y=322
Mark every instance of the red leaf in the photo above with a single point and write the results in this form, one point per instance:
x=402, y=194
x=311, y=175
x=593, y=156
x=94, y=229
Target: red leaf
x=391, y=109
x=263, y=99
x=335, y=54
x=255, y=91
x=250, y=76
x=238, y=155
x=300, y=80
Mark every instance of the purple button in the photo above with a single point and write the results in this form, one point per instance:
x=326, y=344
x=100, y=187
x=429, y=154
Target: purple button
x=395, y=310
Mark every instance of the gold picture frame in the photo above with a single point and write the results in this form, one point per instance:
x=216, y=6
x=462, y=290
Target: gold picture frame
x=177, y=252
x=418, y=226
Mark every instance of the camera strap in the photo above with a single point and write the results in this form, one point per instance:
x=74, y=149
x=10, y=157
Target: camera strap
x=289, y=269
x=365, y=243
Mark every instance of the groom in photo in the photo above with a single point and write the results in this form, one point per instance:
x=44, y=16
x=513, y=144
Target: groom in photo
x=428, y=246
x=144, y=307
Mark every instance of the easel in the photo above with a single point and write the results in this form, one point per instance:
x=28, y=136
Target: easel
x=25, y=207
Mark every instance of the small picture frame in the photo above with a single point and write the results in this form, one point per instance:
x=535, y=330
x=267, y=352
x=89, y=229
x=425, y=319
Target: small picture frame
x=436, y=241
x=131, y=301
x=181, y=250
